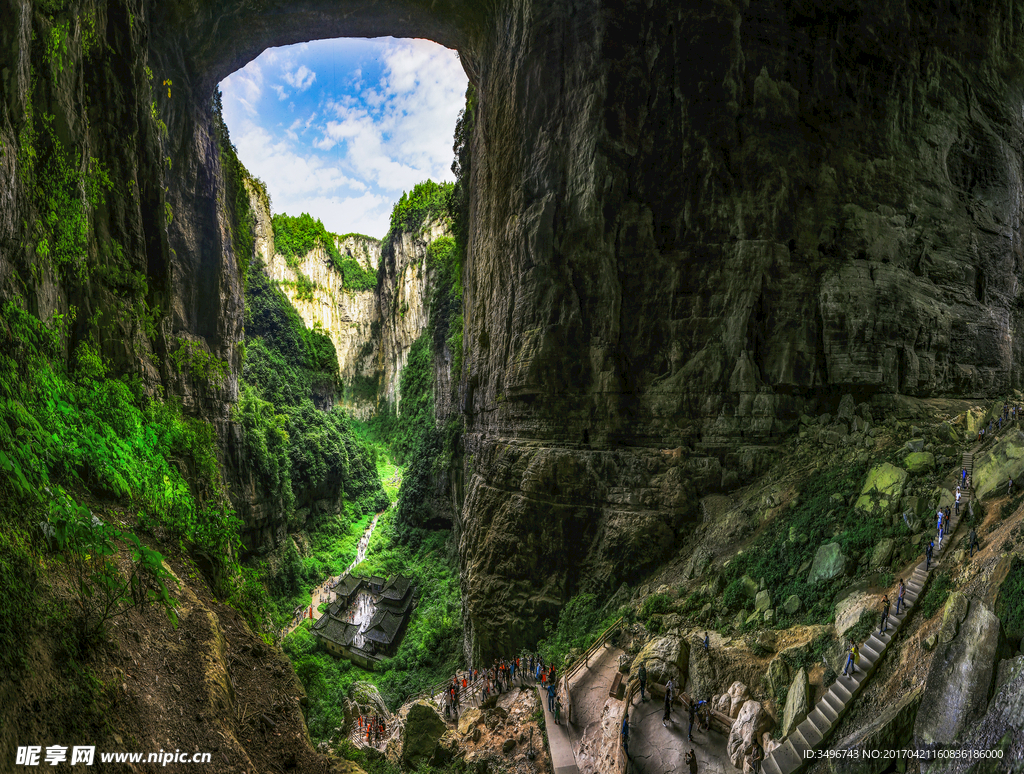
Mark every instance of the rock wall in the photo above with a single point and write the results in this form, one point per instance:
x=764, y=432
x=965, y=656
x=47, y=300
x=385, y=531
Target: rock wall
x=372, y=330
x=347, y=316
x=690, y=223
x=403, y=302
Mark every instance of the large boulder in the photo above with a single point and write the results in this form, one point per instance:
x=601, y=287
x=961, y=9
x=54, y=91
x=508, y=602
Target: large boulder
x=1004, y=460
x=918, y=463
x=890, y=730
x=882, y=488
x=798, y=702
x=424, y=726
x=666, y=658
x=468, y=719
x=828, y=563
x=739, y=694
x=703, y=678
x=751, y=722
x=882, y=554
x=960, y=679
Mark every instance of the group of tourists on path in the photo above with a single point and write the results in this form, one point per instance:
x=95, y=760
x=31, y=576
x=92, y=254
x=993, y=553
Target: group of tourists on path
x=374, y=727
x=499, y=678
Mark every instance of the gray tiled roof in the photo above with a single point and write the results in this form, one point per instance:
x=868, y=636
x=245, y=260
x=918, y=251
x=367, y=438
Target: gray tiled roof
x=337, y=631
x=397, y=588
x=383, y=627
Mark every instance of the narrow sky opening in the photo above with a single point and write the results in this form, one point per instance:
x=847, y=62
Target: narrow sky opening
x=340, y=128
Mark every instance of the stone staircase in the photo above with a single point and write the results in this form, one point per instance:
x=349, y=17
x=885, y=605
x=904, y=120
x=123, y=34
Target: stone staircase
x=824, y=717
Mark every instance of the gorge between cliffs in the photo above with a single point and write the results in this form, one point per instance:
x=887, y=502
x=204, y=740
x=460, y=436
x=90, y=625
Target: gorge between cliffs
x=677, y=377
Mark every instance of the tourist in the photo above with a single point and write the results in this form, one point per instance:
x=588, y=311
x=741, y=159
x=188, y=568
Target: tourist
x=642, y=676
x=973, y=539
x=707, y=642
x=625, y=733
x=551, y=698
x=885, y=615
x=928, y=555
x=691, y=761
x=899, y=596
x=1009, y=487
x=852, y=659
x=558, y=710
x=669, y=689
x=693, y=717
x=938, y=526
x=756, y=756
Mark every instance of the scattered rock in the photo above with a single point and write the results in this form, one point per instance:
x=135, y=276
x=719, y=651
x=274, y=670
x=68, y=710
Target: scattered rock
x=846, y=408
x=915, y=444
x=792, y=604
x=918, y=463
x=928, y=643
x=777, y=676
x=882, y=554
x=750, y=587
x=423, y=728
x=762, y=601
x=738, y=695
x=882, y=488
x=722, y=703
x=508, y=746
x=666, y=658
x=828, y=563
x=797, y=703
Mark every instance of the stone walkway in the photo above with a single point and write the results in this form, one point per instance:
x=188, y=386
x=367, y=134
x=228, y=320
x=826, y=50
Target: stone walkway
x=655, y=749
x=595, y=712
x=816, y=728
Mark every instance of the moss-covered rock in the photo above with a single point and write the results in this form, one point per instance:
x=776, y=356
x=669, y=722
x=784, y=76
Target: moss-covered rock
x=882, y=489
x=918, y=463
x=423, y=728
x=829, y=562
x=1004, y=460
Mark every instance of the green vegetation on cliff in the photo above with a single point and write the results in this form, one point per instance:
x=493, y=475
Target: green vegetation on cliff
x=301, y=453
x=295, y=237
x=427, y=199
x=241, y=217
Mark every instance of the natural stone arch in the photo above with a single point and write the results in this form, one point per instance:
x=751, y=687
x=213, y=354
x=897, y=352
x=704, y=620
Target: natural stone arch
x=210, y=40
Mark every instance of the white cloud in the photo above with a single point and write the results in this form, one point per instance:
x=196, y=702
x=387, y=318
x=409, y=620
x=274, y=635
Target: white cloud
x=344, y=153
x=301, y=79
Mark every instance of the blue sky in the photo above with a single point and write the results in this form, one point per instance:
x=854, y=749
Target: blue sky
x=340, y=128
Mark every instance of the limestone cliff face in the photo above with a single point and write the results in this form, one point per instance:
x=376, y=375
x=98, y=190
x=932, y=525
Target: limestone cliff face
x=403, y=302
x=372, y=330
x=347, y=316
